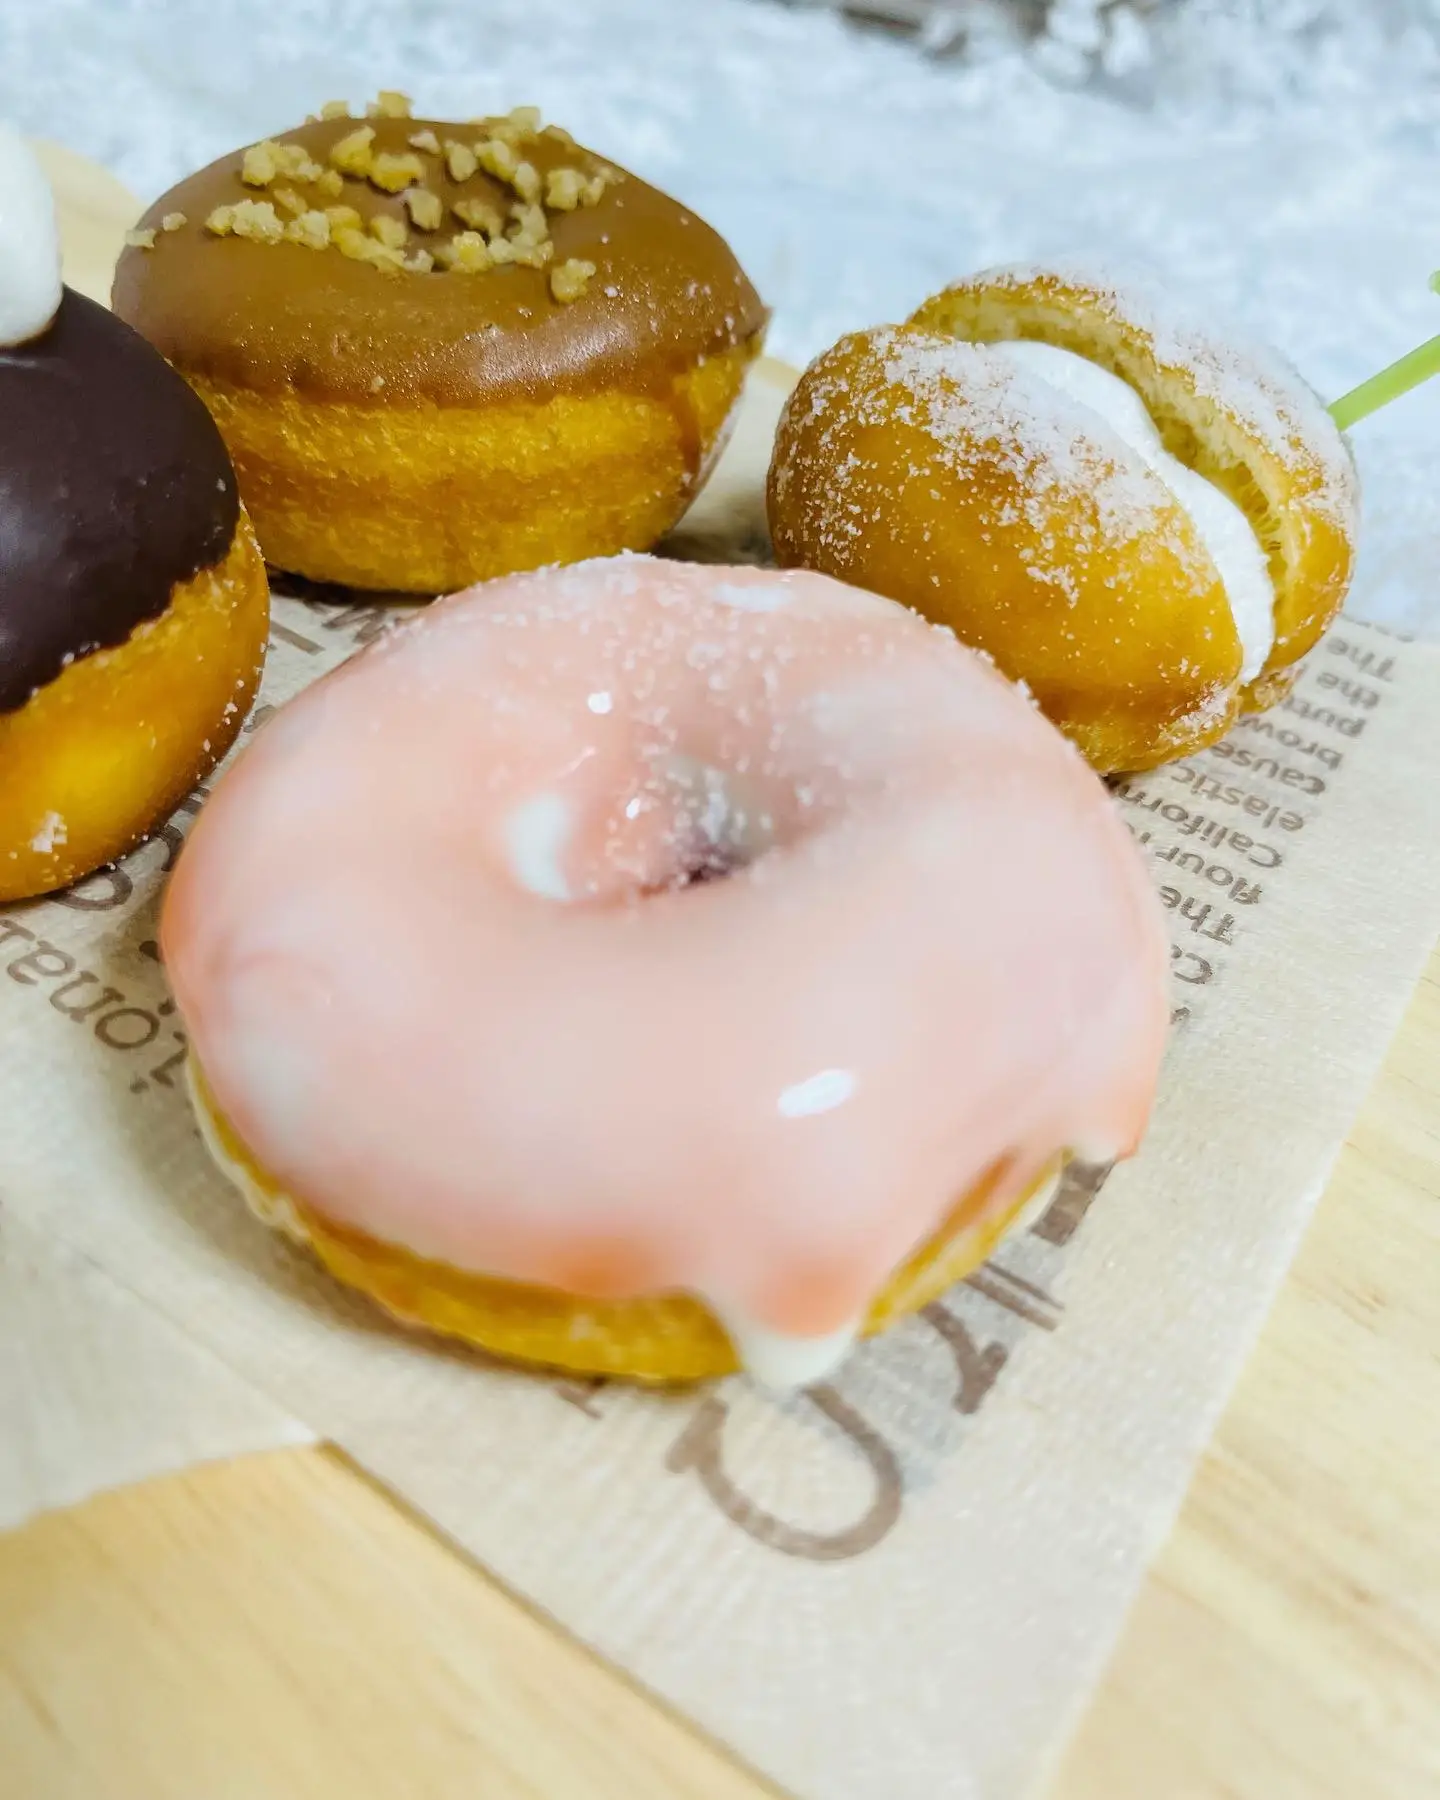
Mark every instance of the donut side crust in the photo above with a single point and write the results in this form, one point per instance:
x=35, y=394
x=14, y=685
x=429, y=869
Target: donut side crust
x=418, y=498
x=664, y=1338
x=101, y=754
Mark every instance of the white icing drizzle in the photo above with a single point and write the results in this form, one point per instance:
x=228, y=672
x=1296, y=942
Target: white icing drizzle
x=819, y=1093
x=30, y=287
x=537, y=833
x=780, y=1362
x=1036, y=1207
x=276, y=1210
x=758, y=596
x=1219, y=523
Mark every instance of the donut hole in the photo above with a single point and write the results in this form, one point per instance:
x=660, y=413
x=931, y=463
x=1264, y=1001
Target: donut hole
x=723, y=823
x=682, y=823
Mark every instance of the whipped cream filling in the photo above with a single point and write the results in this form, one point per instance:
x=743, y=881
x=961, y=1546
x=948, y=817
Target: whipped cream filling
x=1220, y=524
x=30, y=288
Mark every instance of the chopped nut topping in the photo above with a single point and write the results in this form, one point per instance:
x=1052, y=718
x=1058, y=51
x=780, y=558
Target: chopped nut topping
x=570, y=280
x=312, y=229
x=261, y=164
x=353, y=153
x=467, y=253
x=391, y=232
x=265, y=161
x=521, y=125
x=426, y=210
x=389, y=103
x=395, y=173
x=563, y=189
x=532, y=255
x=531, y=225
x=256, y=219
x=141, y=239
x=479, y=215
x=497, y=158
x=460, y=160
x=567, y=188
x=173, y=221
x=489, y=239
x=361, y=247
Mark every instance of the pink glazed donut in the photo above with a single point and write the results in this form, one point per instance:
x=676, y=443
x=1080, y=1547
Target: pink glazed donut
x=637, y=965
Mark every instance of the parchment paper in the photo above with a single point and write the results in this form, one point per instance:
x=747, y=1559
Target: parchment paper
x=903, y=1582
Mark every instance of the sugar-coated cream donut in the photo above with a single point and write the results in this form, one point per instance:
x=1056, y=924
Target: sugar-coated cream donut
x=442, y=351
x=1145, y=520
x=625, y=965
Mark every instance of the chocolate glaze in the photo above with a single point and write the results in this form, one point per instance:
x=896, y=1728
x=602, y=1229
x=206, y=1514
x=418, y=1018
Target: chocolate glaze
x=114, y=487
x=667, y=292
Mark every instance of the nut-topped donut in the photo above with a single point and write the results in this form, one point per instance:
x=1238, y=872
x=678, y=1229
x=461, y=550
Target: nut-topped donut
x=1142, y=518
x=133, y=599
x=440, y=352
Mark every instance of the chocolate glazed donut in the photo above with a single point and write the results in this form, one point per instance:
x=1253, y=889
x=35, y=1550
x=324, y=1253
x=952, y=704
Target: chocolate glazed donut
x=114, y=486
x=133, y=604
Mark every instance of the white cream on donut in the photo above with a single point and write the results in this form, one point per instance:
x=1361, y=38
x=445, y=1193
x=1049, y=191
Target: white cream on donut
x=1221, y=526
x=733, y=986
x=30, y=286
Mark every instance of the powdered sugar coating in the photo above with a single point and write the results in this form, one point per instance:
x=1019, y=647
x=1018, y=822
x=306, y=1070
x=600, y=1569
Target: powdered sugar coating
x=1233, y=547
x=1235, y=373
x=1057, y=460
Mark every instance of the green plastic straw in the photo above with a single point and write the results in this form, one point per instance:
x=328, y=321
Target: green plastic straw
x=1391, y=382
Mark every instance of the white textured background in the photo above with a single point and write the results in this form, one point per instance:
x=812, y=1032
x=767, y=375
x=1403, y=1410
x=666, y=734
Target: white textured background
x=1276, y=157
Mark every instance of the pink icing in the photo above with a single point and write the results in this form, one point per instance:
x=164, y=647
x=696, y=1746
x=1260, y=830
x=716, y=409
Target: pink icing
x=438, y=943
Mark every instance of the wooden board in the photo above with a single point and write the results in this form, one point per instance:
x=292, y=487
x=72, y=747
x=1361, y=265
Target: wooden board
x=279, y=1628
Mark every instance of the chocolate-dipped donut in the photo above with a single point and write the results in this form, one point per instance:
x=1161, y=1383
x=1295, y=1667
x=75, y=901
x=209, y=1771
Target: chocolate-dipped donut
x=133, y=600
x=441, y=352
